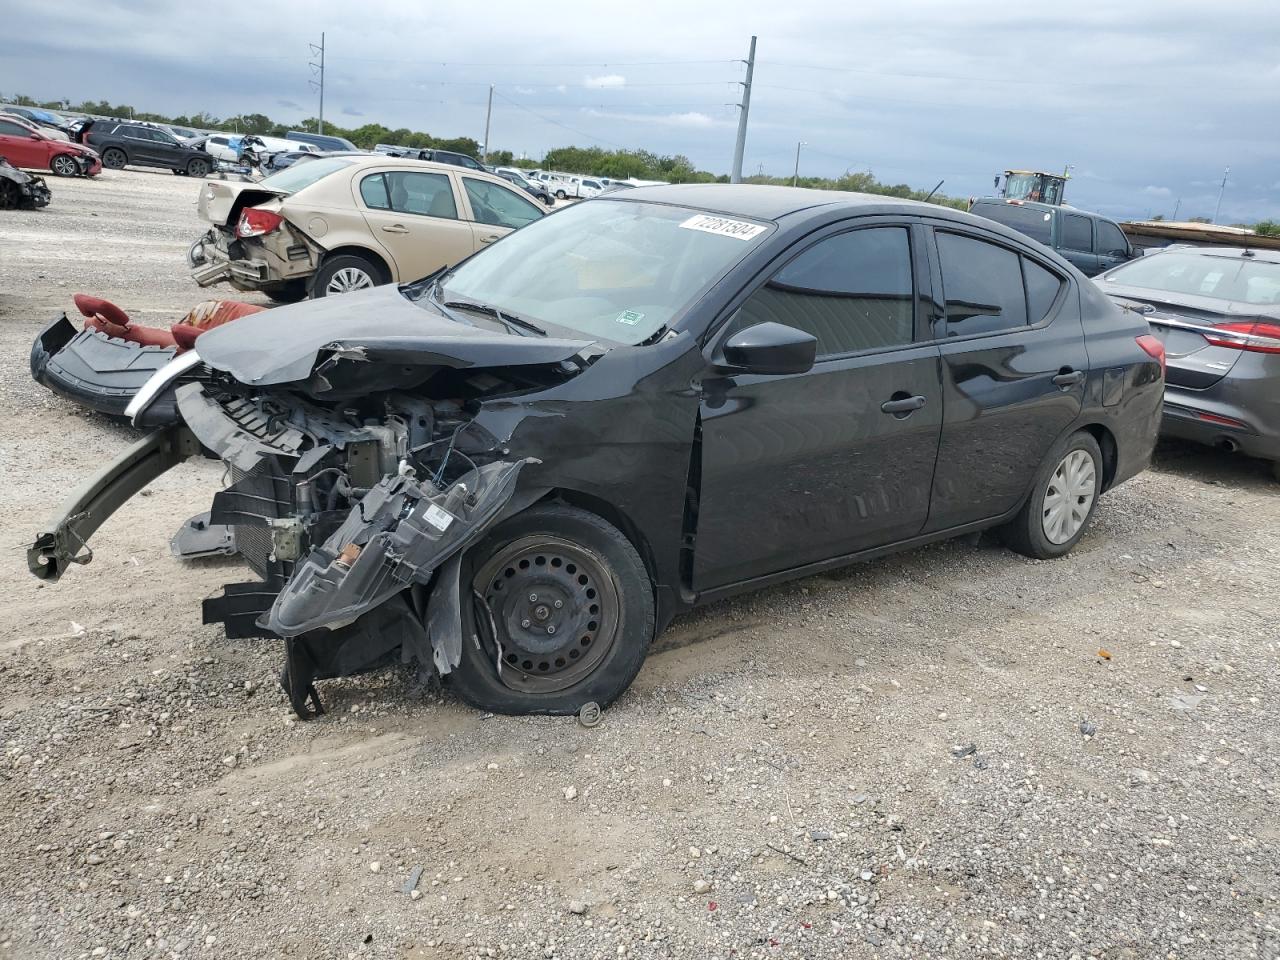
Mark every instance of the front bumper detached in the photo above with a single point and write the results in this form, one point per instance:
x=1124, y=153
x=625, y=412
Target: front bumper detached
x=64, y=540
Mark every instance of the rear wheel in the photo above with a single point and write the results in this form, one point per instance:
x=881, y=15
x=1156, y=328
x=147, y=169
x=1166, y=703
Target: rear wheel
x=345, y=273
x=114, y=158
x=563, y=612
x=1062, y=503
x=9, y=196
x=290, y=292
x=64, y=165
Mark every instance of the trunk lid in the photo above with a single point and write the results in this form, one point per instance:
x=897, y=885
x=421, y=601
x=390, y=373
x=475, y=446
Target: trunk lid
x=1193, y=362
x=222, y=200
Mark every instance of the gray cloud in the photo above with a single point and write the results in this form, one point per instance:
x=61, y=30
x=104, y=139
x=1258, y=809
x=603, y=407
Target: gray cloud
x=1144, y=93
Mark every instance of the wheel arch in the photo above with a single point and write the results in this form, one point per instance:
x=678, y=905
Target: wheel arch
x=355, y=249
x=1110, y=451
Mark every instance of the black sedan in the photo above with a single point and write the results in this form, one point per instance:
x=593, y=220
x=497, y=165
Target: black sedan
x=518, y=470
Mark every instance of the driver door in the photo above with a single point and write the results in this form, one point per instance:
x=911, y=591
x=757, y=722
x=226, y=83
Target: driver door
x=797, y=469
x=495, y=210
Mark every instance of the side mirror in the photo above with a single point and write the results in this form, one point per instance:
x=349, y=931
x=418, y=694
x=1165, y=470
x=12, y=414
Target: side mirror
x=770, y=349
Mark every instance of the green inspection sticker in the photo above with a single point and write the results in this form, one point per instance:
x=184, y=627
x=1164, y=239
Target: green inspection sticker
x=630, y=317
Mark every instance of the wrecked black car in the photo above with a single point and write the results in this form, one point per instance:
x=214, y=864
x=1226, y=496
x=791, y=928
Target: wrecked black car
x=20, y=190
x=516, y=471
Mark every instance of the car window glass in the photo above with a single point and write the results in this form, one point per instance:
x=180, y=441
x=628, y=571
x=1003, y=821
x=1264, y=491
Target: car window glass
x=982, y=284
x=498, y=206
x=373, y=190
x=1076, y=234
x=1110, y=239
x=13, y=130
x=853, y=292
x=1042, y=289
x=1034, y=222
x=425, y=194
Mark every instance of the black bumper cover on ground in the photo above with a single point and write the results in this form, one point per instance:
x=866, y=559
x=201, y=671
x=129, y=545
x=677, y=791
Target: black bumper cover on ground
x=98, y=371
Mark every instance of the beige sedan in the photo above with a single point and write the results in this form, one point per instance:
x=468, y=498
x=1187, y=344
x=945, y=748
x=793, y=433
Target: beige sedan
x=342, y=222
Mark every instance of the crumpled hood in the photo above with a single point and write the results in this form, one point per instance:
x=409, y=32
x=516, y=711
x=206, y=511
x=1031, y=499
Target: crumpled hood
x=281, y=345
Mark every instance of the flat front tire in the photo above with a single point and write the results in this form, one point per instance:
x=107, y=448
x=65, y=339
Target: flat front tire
x=562, y=614
x=1062, y=502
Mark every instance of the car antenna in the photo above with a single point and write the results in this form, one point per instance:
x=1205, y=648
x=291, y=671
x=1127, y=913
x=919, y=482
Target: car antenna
x=937, y=188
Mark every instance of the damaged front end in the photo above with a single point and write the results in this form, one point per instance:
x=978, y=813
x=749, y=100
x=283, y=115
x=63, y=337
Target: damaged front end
x=352, y=494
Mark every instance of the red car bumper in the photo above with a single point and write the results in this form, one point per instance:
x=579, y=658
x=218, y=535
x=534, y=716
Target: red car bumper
x=94, y=166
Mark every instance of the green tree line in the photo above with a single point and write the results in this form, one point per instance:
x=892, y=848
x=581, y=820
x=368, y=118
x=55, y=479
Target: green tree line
x=615, y=164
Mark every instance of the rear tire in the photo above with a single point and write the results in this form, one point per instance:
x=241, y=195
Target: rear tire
x=64, y=165
x=9, y=195
x=290, y=292
x=114, y=158
x=345, y=273
x=593, y=643
x=198, y=168
x=1062, y=501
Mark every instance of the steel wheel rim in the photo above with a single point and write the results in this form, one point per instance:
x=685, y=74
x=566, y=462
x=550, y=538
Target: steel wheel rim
x=1069, y=497
x=348, y=279
x=537, y=572
x=64, y=166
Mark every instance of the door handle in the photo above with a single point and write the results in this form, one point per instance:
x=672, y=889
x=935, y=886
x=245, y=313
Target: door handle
x=902, y=405
x=395, y=228
x=1067, y=378
x=489, y=239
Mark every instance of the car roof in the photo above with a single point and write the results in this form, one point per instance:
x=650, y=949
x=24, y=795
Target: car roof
x=764, y=202
x=1226, y=253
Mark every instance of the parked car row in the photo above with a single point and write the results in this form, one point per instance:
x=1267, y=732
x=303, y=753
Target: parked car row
x=25, y=145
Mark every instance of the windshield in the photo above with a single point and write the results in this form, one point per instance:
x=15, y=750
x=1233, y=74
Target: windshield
x=301, y=175
x=619, y=271
x=1232, y=278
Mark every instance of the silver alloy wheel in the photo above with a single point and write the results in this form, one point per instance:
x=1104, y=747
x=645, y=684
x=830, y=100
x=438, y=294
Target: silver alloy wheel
x=64, y=166
x=1069, y=497
x=348, y=279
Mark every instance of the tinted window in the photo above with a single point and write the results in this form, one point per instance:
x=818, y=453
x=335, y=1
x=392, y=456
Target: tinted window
x=1076, y=232
x=373, y=190
x=1030, y=221
x=13, y=130
x=1042, y=289
x=498, y=206
x=853, y=292
x=982, y=284
x=1110, y=239
x=426, y=194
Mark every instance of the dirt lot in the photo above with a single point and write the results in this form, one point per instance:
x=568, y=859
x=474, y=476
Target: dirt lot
x=929, y=756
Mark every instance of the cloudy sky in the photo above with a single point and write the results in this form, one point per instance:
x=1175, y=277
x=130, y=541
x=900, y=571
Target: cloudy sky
x=1148, y=100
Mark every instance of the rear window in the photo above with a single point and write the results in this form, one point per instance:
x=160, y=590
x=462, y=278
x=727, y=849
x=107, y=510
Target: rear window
x=301, y=175
x=1235, y=279
x=1030, y=221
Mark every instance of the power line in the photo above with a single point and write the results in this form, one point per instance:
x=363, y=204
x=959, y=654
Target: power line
x=557, y=123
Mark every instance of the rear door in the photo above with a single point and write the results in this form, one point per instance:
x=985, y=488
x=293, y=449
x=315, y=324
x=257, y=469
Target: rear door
x=1075, y=242
x=802, y=468
x=415, y=215
x=19, y=148
x=1013, y=368
x=495, y=210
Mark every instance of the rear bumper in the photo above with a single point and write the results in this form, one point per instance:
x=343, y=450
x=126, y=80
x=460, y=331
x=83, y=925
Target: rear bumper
x=1194, y=418
x=95, y=370
x=249, y=264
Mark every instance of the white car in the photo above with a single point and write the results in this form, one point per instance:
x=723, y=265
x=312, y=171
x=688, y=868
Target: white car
x=581, y=187
x=232, y=146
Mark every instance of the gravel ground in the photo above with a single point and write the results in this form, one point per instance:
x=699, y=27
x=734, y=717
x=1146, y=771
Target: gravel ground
x=953, y=752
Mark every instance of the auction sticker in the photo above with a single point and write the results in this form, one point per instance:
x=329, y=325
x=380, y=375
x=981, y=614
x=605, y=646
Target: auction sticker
x=723, y=226
x=629, y=317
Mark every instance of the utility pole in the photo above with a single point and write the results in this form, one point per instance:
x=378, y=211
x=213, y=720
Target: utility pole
x=743, y=108
x=1175, y=209
x=488, y=114
x=1221, y=190
x=795, y=177
x=318, y=68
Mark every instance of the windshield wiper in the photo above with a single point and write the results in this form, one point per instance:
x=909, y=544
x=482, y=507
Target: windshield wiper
x=510, y=319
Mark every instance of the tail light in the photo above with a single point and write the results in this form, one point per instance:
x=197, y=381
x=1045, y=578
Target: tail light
x=254, y=222
x=1154, y=348
x=1254, y=336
